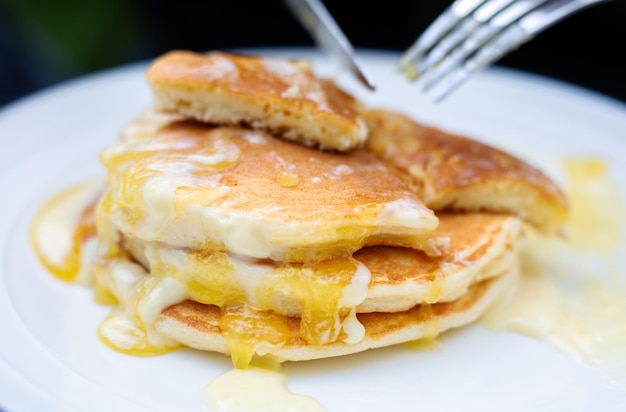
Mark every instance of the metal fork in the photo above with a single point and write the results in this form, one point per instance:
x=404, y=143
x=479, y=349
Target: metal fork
x=472, y=34
x=322, y=27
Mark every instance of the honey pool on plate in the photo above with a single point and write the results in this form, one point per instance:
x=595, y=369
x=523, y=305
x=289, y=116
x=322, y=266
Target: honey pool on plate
x=572, y=292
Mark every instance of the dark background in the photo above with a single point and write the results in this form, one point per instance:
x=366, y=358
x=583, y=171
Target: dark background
x=43, y=42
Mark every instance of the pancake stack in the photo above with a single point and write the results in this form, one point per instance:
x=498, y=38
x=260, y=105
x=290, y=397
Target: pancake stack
x=259, y=210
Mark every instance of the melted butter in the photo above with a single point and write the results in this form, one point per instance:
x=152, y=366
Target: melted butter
x=248, y=331
x=572, y=291
x=62, y=226
x=63, y=236
x=320, y=287
x=209, y=277
x=430, y=329
x=141, y=298
x=353, y=331
x=597, y=207
x=435, y=292
x=153, y=180
x=324, y=293
x=424, y=344
x=121, y=332
x=580, y=314
x=185, y=196
x=256, y=389
x=287, y=179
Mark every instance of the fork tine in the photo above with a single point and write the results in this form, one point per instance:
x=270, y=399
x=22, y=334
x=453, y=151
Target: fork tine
x=512, y=37
x=477, y=39
x=463, y=17
x=504, y=42
x=456, y=57
x=443, y=24
x=446, y=45
x=465, y=29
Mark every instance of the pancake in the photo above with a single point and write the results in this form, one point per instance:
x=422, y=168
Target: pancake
x=189, y=185
x=309, y=236
x=280, y=96
x=201, y=326
x=325, y=296
x=451, y=172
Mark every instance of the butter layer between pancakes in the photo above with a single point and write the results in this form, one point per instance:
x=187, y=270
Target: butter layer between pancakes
x=202, y=326
x=326, y=296
x=189, y=185
x=374, y=279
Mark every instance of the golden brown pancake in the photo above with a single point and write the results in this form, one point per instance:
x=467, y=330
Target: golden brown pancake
x=283, y=97
x=225, y=188
x=457, y=173
x=324, y=296
x=202, y=326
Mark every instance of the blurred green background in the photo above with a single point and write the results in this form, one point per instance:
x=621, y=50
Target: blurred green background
x=44, y=42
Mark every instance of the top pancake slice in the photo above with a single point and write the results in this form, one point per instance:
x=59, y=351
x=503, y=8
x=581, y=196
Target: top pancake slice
x=190, y=185
x=458, y=173
x=281, y=96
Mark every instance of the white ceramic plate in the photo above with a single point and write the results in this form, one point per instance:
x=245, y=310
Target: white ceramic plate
x=51, y=358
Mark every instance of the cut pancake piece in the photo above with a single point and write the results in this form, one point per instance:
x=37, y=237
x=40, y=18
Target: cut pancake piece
x=282, y=96
x=193, y=186
x=202, y=326
x=458, y=173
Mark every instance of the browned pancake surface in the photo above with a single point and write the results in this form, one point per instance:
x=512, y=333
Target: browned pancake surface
x=278, y=95
x=304, y=204
x=479, y=246
x=455, y=172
